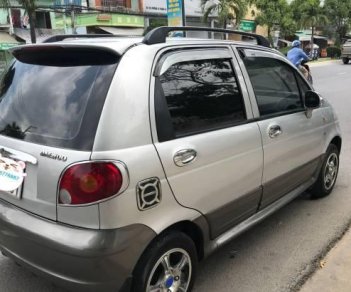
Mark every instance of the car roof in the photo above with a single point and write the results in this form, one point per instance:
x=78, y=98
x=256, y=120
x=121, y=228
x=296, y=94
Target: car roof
x=122, y=44
x=158, y=37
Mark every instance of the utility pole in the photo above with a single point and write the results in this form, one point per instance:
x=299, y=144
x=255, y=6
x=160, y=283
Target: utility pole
x=72, y=18
x=183, y=17
x=10, y=20
x=183, y=13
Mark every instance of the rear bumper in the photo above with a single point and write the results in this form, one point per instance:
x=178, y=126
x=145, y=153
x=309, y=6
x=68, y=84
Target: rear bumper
x=75, y=258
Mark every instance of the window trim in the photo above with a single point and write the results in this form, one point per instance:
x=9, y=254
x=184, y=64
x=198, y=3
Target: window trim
x=162, y=112
x=164, y=127
x=297, y=75
x=280, y=114
x=171, y=58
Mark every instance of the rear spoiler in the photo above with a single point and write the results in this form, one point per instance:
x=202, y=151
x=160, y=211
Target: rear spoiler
x=65, y=55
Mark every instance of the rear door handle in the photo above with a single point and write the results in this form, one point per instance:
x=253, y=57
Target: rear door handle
x=274, y=131
x=184, y=157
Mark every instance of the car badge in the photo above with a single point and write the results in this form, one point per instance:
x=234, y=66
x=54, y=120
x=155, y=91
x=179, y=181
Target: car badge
x=53, y=156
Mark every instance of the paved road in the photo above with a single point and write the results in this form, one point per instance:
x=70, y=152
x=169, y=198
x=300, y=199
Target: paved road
x=282, y=251
x=278, y=254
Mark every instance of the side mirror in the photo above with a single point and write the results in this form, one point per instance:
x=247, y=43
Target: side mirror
x=312, y=100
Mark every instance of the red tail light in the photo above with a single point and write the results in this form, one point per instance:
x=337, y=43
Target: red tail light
x=89, y=182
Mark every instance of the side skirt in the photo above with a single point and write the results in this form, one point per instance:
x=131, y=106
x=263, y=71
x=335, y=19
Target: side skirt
x=256, y=218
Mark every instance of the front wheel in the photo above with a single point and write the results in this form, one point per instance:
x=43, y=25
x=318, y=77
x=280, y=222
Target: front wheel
x=327, y=175
x=168, y=264
x=345, y=60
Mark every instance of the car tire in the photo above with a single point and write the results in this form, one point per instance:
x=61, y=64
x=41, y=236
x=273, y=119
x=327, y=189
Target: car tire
x=345, y=60
x=169, y=262
x=327, y=175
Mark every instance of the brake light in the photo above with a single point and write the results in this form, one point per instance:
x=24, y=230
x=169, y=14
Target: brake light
x=89, y=182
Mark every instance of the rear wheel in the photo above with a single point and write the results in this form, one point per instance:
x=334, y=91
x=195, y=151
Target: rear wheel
x=168, y=265
x=327, y=175
x=345, y=60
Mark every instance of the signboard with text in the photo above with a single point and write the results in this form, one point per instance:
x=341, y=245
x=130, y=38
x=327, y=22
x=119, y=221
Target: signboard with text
x=61, y=3
x=247, y=25
x=104, y=19
x=192, y=7
x=174, y=12
x=155, y=6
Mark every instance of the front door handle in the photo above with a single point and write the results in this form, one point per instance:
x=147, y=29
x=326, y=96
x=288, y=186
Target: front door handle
x=274, y=131
x=184, y=157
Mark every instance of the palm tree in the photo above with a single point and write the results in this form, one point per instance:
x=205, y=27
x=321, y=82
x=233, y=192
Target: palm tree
x=227, y=10
x=312, y=16
x=29, y=6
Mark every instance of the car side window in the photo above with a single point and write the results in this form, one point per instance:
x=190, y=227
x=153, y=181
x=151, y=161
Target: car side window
x=274, y=84
x=303, y=85
x=200, y=95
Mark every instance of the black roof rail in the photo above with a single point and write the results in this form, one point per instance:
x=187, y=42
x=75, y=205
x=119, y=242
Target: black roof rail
x=61, y=37
x=159, y=34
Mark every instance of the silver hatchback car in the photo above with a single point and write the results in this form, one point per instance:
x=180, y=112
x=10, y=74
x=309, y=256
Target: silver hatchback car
x=126, y=161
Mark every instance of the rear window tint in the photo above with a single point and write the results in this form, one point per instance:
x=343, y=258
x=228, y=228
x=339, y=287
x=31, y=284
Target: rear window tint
x=54, y=105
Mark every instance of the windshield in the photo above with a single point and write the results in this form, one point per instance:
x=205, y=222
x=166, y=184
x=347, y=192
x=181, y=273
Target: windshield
x=54, y=105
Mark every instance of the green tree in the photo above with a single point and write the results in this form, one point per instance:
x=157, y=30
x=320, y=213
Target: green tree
x=339, y=15
x=288, y=26
x=312, y=15
x=29, y=6
x=275, y=14
x=227, y=10
x=296, y=11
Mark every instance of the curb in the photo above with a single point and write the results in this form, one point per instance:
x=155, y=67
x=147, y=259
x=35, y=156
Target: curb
x=334, y=271
x=320, y=63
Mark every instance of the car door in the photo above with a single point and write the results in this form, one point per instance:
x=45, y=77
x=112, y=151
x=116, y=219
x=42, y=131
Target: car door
x=210, y=151
x=292, y=138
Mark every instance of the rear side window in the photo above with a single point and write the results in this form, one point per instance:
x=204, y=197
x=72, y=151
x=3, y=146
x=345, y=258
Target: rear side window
x=274, y=84
x=201, y=96
x=54, y=103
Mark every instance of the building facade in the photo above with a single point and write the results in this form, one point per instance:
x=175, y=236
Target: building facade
x=120, y=17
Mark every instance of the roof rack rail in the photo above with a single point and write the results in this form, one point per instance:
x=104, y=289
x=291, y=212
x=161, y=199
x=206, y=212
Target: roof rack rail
x=61, y=37
x=159, y=34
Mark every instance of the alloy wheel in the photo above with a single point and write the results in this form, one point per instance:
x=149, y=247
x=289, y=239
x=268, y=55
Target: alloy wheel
x=171, y=273
x=331, y=171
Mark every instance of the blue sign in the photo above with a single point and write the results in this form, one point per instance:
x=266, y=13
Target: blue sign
x=175, y=12
x=59, y=3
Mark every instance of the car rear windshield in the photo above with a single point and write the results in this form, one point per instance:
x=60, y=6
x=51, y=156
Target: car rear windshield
x=55, y=97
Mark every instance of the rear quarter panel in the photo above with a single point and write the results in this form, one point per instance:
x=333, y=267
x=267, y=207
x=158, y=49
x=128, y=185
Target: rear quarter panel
x=332, y=124
x=124, y=134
